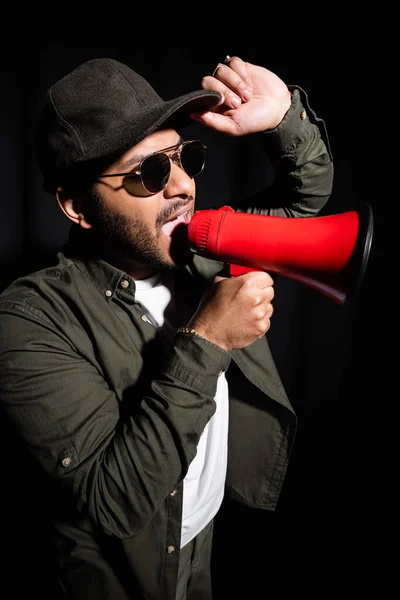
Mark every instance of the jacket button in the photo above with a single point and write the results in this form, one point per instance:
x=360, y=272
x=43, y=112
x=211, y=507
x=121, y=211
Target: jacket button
x=173, y=493
x=303, y=115
x=170, y=549
x=66, y=462
x=124, y=284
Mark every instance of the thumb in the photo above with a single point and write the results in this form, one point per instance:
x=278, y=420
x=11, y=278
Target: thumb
x=220, y=122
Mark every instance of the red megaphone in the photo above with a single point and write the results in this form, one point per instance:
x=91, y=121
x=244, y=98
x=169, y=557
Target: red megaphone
x=328, y=253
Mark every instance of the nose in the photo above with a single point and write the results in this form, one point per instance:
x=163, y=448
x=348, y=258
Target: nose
x=179, y=183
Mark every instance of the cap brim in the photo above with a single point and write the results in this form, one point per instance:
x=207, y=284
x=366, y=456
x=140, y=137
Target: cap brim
x=174, y=113
x=179, y=110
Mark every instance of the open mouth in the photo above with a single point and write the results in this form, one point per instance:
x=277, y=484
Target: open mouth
x=181, y=218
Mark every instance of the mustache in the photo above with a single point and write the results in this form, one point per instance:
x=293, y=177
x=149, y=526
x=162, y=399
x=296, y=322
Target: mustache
x=171, y=209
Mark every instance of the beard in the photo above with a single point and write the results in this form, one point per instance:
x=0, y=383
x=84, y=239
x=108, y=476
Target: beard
x=132, y=239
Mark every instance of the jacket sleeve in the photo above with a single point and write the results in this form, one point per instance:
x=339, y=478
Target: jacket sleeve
x=118, y=471
x=299, y=152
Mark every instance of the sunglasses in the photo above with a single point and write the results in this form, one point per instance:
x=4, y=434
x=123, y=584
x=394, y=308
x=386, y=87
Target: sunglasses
x=153, y=172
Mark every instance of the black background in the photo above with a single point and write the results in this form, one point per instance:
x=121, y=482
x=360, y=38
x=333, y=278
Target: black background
x=335, y=518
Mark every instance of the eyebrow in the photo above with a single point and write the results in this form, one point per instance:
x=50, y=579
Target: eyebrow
x=137, y=158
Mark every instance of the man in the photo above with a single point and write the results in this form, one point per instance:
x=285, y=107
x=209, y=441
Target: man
x=136, y=373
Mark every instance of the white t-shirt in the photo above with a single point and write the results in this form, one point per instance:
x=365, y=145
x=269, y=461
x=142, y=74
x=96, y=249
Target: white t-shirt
x=203, y=486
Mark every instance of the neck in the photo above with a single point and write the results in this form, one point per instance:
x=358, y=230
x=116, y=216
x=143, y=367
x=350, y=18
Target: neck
x=131, y=267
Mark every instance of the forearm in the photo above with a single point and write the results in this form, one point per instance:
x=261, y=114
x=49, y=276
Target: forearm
x=150, y=452
x=299, y=152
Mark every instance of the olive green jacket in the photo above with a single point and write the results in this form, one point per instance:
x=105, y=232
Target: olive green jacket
x=112, y=419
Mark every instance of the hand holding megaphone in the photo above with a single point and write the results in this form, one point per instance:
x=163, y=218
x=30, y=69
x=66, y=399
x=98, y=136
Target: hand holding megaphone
x=327, y=253
x=234, y=312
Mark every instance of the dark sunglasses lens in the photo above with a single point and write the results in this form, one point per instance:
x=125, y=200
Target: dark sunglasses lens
x=193, y=158
x=155, y=172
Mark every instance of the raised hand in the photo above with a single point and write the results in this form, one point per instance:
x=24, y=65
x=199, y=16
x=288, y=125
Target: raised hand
x=254, y=99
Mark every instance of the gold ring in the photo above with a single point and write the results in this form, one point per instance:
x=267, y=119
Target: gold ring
x=227, y=59
x=216, y=68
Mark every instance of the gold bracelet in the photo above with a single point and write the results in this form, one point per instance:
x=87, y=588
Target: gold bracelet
x=189, y=330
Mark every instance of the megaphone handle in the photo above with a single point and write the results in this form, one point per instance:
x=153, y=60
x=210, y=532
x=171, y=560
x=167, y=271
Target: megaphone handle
x=235, y=270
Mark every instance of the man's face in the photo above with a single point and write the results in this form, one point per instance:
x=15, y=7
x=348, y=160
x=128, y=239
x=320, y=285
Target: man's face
x=140, y=230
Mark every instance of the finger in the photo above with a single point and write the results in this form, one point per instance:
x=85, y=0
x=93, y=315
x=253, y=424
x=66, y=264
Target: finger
x=218, y=83
x=265, y=297
x=268, y=309
x=269, y=312
x=264, y=322
x=235, y=82
x=233, y=74
x=217, y=121
x=240, y=67
x=270, y=293
x=261, y=279
x=216, y=69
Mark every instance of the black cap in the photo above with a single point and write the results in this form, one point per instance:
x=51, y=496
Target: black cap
x=98, y=111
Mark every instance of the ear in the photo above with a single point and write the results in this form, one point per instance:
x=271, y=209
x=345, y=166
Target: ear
x=72, y=207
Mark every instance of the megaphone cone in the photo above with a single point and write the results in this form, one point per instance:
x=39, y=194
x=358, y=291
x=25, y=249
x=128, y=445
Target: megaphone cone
x=327, y=253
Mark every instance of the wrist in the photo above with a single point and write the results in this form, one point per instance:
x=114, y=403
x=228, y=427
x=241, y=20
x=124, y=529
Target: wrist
x=186, y=330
